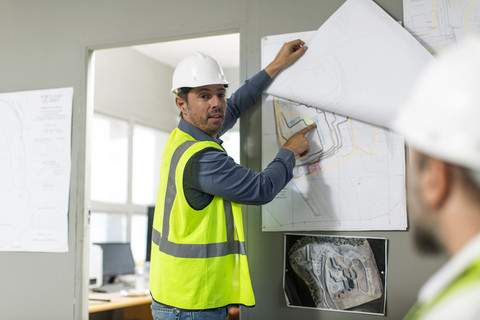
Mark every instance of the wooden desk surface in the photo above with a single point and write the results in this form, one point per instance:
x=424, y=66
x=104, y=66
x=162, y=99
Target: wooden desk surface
x=114, y=300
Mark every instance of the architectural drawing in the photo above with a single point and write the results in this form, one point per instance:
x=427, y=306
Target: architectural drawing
x=340, y=273
x=352, y=178
x=35, y=139
x=438, y=24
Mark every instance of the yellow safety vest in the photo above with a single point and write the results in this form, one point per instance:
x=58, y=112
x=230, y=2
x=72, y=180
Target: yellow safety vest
x=470, y=277
x=198, y=259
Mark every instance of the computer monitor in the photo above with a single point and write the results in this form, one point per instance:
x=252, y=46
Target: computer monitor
x=117, y=260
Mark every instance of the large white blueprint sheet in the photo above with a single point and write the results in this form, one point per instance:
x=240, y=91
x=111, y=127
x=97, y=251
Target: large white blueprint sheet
x=352, y=178
x=439, y=24
x=360, y=63
x=35, y=140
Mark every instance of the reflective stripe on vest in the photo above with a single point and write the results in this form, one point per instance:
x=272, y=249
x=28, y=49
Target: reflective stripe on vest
x=182, y=250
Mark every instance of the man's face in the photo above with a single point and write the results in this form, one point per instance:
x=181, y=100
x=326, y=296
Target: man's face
x=205, y=108
x=424, y=229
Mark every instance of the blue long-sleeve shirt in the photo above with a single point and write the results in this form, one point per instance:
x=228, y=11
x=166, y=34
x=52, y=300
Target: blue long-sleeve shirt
x=212, y=172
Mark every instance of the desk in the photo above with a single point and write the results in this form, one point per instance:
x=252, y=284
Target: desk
x=118, y=306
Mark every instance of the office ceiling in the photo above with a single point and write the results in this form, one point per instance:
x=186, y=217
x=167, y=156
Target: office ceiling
x=223, y=48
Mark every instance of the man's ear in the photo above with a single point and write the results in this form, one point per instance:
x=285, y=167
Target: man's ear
x=181, y=104
x=434, y=182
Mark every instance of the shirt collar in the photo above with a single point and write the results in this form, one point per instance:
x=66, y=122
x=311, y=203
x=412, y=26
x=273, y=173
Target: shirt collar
x=450, y=271
x=196, y=133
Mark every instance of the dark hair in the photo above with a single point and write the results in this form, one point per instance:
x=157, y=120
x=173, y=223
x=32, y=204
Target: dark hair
x=183, y=93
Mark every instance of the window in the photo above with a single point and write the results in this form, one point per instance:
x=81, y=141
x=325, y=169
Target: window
x=109, y=160
x=147, y=153
x=231, y=143
x=125, y=173
x=108, y=227
x=139, y=234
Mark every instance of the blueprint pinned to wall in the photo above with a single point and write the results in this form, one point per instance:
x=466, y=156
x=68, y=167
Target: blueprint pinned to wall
x=439, y=24
x=360, y=63
x=352, y=178
x=35, y=139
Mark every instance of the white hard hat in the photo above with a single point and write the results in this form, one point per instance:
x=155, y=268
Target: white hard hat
x=442, y=116
x=197, y=70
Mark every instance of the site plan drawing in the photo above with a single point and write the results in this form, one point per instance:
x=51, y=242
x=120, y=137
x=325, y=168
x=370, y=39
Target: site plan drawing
x=335, y=273
x=352, y=178
x=35, y=139
x=438, y=24
x=360, y=63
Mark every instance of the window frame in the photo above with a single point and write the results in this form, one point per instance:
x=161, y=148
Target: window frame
x=129, y=208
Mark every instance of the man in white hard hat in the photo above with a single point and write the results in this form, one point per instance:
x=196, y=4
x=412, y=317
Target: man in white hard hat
x=198, y=262
x=441, y=124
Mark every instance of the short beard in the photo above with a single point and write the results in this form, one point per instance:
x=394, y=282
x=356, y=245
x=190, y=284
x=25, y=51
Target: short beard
x=423, y=231
x=213, y=133
x=425, y=241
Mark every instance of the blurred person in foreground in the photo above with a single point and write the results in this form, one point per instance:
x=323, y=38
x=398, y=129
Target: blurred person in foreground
x=441, y=124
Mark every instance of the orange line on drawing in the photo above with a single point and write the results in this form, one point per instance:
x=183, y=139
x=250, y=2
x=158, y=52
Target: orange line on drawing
x=466, y=18
x=434, y=22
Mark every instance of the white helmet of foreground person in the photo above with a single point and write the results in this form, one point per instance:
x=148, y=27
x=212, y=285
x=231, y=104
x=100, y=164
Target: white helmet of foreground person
x=197, y=70
x=442, y=116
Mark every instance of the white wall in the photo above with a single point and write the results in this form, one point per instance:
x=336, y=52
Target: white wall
x=129, y=84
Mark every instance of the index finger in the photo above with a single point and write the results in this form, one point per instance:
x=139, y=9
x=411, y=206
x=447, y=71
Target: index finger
x=305, y=130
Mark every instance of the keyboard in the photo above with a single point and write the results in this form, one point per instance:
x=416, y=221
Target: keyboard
x=113, y=287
